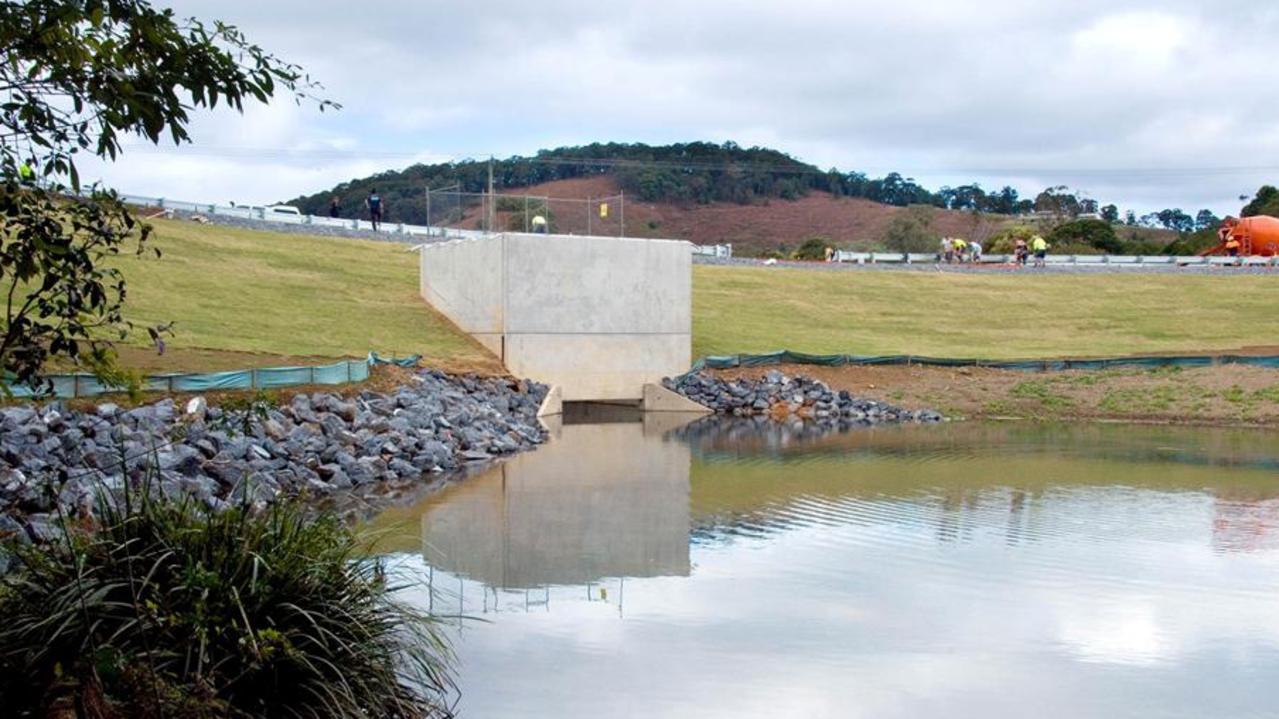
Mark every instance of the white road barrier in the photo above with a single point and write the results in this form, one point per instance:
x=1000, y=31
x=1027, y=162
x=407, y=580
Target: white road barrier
x=265, y=213
x=863, y=258
x=713, y=250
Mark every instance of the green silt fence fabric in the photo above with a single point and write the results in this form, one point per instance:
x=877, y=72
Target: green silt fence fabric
x=789, y=357
x=84, y=385
x=410, y=361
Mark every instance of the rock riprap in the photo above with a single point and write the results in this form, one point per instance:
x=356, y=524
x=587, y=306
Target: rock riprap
x=778, y=396
x=318, y=445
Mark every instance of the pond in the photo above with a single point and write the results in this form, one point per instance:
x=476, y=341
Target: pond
x=968, y=570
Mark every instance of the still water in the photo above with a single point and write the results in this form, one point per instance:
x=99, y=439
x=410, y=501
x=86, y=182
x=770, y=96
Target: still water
x=629, y=569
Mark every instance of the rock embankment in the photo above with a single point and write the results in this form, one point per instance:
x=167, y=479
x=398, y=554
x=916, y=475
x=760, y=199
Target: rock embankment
x=318, y=445
x=779, y=396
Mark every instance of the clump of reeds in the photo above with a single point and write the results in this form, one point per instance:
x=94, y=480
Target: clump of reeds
x=167, y=609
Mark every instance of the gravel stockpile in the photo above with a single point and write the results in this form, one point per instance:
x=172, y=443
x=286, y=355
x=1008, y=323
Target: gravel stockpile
x=779, y=396
x=321, y=445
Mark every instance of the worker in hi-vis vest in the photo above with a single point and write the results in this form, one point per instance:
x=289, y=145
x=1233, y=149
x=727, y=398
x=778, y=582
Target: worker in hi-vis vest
x=1040, y=248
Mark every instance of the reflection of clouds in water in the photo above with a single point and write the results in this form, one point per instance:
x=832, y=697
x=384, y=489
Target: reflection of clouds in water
x=1128, y=632
x=823, y=621
x=882, y=588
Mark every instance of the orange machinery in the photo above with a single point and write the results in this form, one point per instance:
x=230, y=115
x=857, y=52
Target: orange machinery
x=1257, y=236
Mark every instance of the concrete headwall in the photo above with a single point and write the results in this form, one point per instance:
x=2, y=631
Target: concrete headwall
x=598, y=316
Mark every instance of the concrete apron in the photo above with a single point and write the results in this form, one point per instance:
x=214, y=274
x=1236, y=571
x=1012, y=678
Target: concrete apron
x=667, y=409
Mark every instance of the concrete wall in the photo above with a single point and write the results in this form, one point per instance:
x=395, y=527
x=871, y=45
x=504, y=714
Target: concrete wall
x=463, y=280
x=598, y=316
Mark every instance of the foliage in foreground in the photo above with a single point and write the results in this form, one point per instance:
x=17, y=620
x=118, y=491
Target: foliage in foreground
x=76, y=78
x=171, y=610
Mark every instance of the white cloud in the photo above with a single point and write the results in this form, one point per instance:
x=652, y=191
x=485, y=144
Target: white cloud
x=1113, y=96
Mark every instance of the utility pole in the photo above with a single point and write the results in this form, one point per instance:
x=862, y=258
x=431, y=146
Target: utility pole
x=491, y=214
x=621, y=214
x=428, y=210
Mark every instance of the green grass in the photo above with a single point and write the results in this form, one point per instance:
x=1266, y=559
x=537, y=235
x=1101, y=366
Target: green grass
x=1155, y=400
x=1042, y=392
x=288, y=295
x=988, y=316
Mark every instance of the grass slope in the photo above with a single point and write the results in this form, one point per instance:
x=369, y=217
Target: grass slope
x=284, y=298
x=985, y=316
x=245, y=298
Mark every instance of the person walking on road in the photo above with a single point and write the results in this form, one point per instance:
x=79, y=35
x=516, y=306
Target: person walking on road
x=374, y=203
x=1040, y=248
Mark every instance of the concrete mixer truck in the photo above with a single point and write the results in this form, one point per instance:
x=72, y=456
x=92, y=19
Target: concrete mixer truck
x=1247, y=237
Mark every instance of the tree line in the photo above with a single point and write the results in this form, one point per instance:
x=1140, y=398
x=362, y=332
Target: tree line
x=705, y=172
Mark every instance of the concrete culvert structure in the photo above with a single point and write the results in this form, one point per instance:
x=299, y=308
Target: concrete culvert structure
x=599, y=317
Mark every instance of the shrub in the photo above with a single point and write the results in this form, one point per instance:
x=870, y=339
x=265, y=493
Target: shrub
x=1002, y=242
x=1193, y=243
x=1135, y=245
x=909, y=231
x=1096, y=234
x=168, y=609
x=814, y=248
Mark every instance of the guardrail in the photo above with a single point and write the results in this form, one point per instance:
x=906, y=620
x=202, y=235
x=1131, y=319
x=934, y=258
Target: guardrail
x=862, y=258
x=713, y=250
x=263, y=214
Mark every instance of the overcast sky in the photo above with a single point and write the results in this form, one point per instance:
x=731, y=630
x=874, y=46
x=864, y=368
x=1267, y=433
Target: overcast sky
x=1148, y=105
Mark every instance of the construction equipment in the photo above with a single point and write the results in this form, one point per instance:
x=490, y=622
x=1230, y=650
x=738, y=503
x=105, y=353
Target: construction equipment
x=1249, y=236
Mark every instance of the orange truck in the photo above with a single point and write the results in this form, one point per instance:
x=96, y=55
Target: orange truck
x=1248, y=237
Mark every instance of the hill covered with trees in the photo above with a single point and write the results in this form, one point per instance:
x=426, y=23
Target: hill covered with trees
x=695, y=172
x=702, y=174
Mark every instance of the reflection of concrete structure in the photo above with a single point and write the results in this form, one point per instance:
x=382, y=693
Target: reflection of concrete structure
x=600, y=317
x=603, y=500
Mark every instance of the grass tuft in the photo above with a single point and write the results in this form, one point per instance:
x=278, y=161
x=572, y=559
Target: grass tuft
x=168, y=609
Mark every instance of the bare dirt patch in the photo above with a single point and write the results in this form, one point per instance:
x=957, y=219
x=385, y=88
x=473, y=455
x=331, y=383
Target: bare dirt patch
x=1225, y=395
